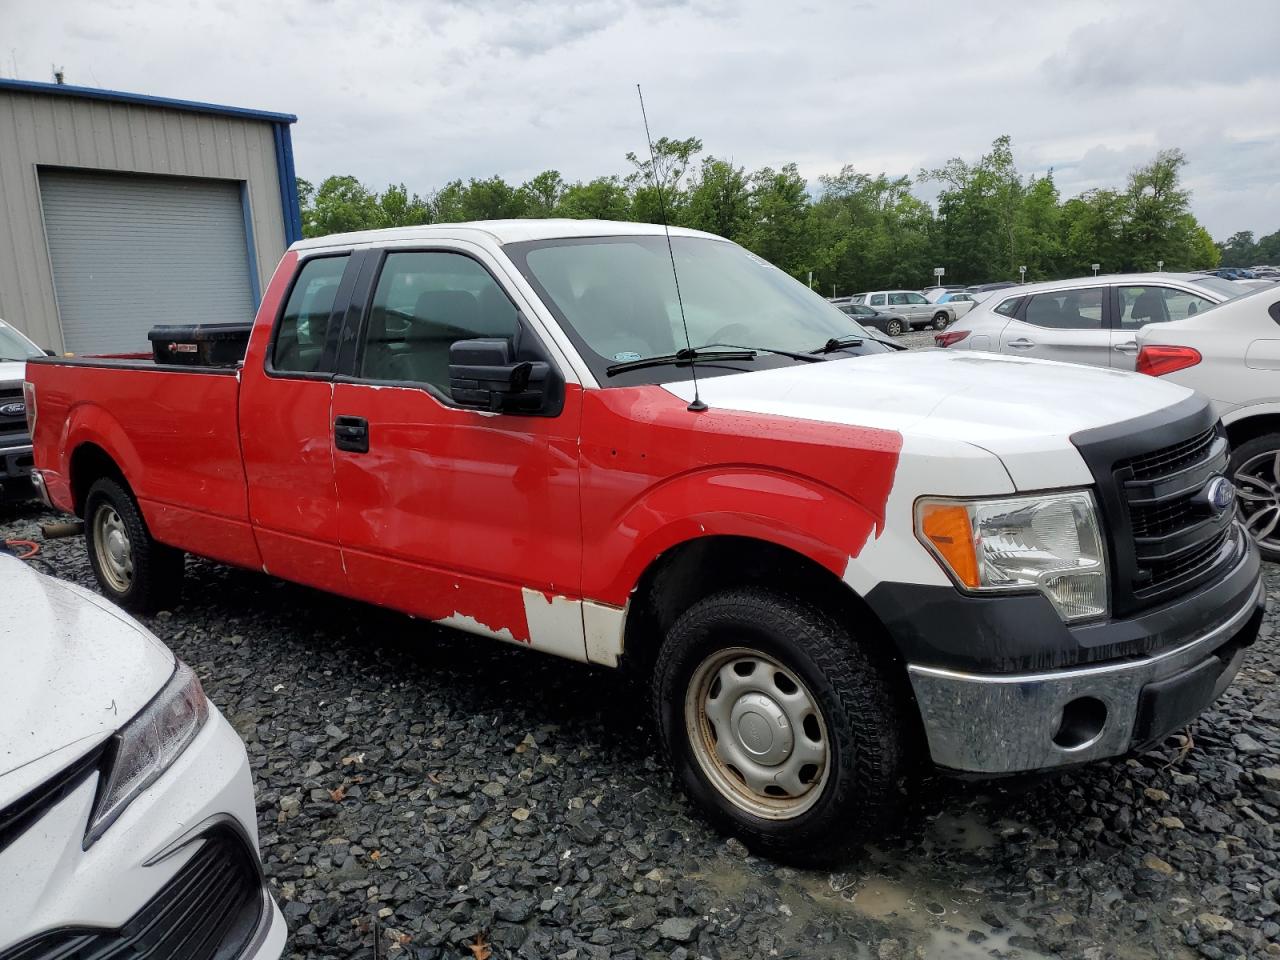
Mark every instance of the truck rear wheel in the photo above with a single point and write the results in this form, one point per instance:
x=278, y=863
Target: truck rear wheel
x=132, y=568
x=778, y=726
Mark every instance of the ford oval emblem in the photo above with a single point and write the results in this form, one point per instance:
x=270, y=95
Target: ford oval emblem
x=1218, y=494
x=15, y=409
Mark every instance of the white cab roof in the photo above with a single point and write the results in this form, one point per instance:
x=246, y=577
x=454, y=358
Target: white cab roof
x=500, y=231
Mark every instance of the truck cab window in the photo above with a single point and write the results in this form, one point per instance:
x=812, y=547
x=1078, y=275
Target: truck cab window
x=304, y=326
x=423, y=303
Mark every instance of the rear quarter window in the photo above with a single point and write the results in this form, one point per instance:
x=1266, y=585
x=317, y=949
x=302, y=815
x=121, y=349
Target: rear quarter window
x=1007, y=308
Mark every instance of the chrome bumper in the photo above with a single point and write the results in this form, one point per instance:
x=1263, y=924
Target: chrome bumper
x=37, y=483
x=1008, y=723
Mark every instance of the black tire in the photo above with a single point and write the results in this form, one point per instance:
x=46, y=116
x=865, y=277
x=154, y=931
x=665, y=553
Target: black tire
x=893, y=328
x=1265, y=447
x=864, y=733
x=155, y=580
x=940, y=320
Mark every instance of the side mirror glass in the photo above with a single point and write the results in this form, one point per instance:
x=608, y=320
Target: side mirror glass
x=483, y=375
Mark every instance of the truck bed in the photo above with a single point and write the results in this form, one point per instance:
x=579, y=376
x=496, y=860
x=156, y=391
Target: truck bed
x=174, y=430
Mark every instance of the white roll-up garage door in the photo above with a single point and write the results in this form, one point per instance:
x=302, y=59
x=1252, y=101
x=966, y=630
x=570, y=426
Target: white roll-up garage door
x=132, y=252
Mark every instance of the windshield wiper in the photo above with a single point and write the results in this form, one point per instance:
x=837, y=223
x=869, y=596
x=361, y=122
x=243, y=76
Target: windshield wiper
x=806, y=357
x=13, y=359
x=838, y=343
x=680, y=356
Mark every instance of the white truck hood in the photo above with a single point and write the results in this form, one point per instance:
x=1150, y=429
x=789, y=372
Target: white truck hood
x=1022, y=411
x=73, y=669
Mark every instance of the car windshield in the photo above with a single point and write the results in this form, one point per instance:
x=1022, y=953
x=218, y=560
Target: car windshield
x=616, y=298
x=14, y=346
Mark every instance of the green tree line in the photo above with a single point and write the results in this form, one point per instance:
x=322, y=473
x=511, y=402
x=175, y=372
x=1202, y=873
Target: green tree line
x=854, y=231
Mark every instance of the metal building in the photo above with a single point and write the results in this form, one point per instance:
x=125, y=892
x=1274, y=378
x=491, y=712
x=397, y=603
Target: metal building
x=120, y=211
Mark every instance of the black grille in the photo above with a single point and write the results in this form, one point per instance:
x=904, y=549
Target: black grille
x=12, y=424
x=1177, y=536
x=208, y=911
x=1167, y=460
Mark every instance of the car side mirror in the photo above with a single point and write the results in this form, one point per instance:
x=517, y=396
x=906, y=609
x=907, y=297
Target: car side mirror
x=483, y=375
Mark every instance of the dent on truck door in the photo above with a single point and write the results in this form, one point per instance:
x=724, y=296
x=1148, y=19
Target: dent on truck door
x=461, y=516
x=285, y=428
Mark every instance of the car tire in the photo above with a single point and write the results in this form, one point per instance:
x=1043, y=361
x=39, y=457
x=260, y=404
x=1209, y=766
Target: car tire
x=1259, y=503
x=940, y=320
x=789, y=675
x=132, y=568
x=893, y=328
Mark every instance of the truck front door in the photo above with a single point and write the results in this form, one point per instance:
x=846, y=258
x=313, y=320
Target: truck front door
x=457, y=515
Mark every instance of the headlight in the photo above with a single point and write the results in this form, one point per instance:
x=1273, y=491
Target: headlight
x=1049, y=543
x=146, y=746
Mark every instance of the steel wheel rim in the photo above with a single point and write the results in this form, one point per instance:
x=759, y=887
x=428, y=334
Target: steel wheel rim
x=112, y=547
x=757, y=733
x=1258, y=490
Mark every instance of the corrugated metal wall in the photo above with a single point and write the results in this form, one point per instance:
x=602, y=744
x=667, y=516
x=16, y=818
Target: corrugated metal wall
x=58, y=131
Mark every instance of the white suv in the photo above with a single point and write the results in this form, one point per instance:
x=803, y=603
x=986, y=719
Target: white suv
x=1231, y=354
x=914, y=308
x=1092, y=320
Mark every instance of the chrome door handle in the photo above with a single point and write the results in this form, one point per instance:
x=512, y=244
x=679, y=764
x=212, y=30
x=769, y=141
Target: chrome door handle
x=1130, y=347
x=1021, y=343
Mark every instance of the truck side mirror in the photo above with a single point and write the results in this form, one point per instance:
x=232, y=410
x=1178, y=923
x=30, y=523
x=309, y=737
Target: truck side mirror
x=483, y=375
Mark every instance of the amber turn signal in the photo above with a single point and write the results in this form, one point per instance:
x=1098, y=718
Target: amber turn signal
x=947, y=527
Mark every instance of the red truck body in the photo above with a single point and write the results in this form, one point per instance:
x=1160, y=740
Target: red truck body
x=453, y=515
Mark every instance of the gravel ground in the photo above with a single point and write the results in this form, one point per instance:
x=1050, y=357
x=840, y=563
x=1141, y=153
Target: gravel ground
x=423, y=793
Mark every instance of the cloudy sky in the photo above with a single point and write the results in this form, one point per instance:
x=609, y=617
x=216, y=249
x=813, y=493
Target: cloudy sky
x=422, y=91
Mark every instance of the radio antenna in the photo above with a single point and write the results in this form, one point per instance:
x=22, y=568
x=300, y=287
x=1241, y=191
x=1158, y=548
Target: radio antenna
x=697, y=406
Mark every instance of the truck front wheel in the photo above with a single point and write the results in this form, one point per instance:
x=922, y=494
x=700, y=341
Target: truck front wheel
x=778, y=726
x=132, y=568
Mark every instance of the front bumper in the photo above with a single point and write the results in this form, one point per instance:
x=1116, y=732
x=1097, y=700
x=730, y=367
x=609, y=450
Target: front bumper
x=999, y=723
x=15, y=463
x=178, y=871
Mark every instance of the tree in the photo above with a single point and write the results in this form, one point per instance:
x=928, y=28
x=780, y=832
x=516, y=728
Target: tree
x=658, y=188
x=604, y=198
x=781, y=229
x=342, y=204
x=1158, y=225
x=719, y=200
x=400, y=209
x=542, y=194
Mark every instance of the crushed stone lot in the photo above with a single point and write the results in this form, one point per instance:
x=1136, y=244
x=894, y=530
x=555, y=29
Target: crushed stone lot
x=427, y=794
x=429, y=790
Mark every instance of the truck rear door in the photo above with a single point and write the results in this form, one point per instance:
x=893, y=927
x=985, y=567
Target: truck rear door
x=285, y=421
x=453, y=514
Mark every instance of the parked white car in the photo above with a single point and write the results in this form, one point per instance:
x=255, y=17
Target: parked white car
x=127, y=819
x=1091, y=320
x=1231, y=354
x=914, y=308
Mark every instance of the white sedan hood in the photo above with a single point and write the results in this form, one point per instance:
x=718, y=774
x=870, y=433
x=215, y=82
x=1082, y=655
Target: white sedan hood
x=73, y=669
x=1022, y=411
x=12, y=372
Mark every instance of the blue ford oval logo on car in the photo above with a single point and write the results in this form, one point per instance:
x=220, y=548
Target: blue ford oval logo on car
x=1218, y=494
x=16, y=409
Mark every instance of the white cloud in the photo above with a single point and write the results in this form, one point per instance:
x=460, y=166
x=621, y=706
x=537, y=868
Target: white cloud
x=421, y=92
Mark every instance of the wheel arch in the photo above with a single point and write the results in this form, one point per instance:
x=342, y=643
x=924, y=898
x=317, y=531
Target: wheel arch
x=89, y=463
x=1252, y=423
x=694, y=569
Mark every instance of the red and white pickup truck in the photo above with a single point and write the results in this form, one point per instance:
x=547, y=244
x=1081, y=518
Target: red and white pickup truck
x=853, y=559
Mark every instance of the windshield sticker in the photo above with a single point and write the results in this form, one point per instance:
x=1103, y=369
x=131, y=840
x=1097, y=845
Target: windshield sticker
x=626, y=356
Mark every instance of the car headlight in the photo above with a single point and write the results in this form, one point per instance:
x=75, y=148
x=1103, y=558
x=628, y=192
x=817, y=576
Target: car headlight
x=146, y=746
x=1049, y=542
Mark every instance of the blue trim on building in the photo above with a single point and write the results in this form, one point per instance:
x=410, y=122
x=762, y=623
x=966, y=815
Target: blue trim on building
x=288, y=184
x=140, y=99
x=255, y=279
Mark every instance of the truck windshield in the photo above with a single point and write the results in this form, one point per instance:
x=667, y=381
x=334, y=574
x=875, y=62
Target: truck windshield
x=14, y=346
x=616, y=298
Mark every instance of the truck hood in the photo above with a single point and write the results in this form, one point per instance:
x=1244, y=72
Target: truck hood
x=73, y=669
x=1021, y=410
